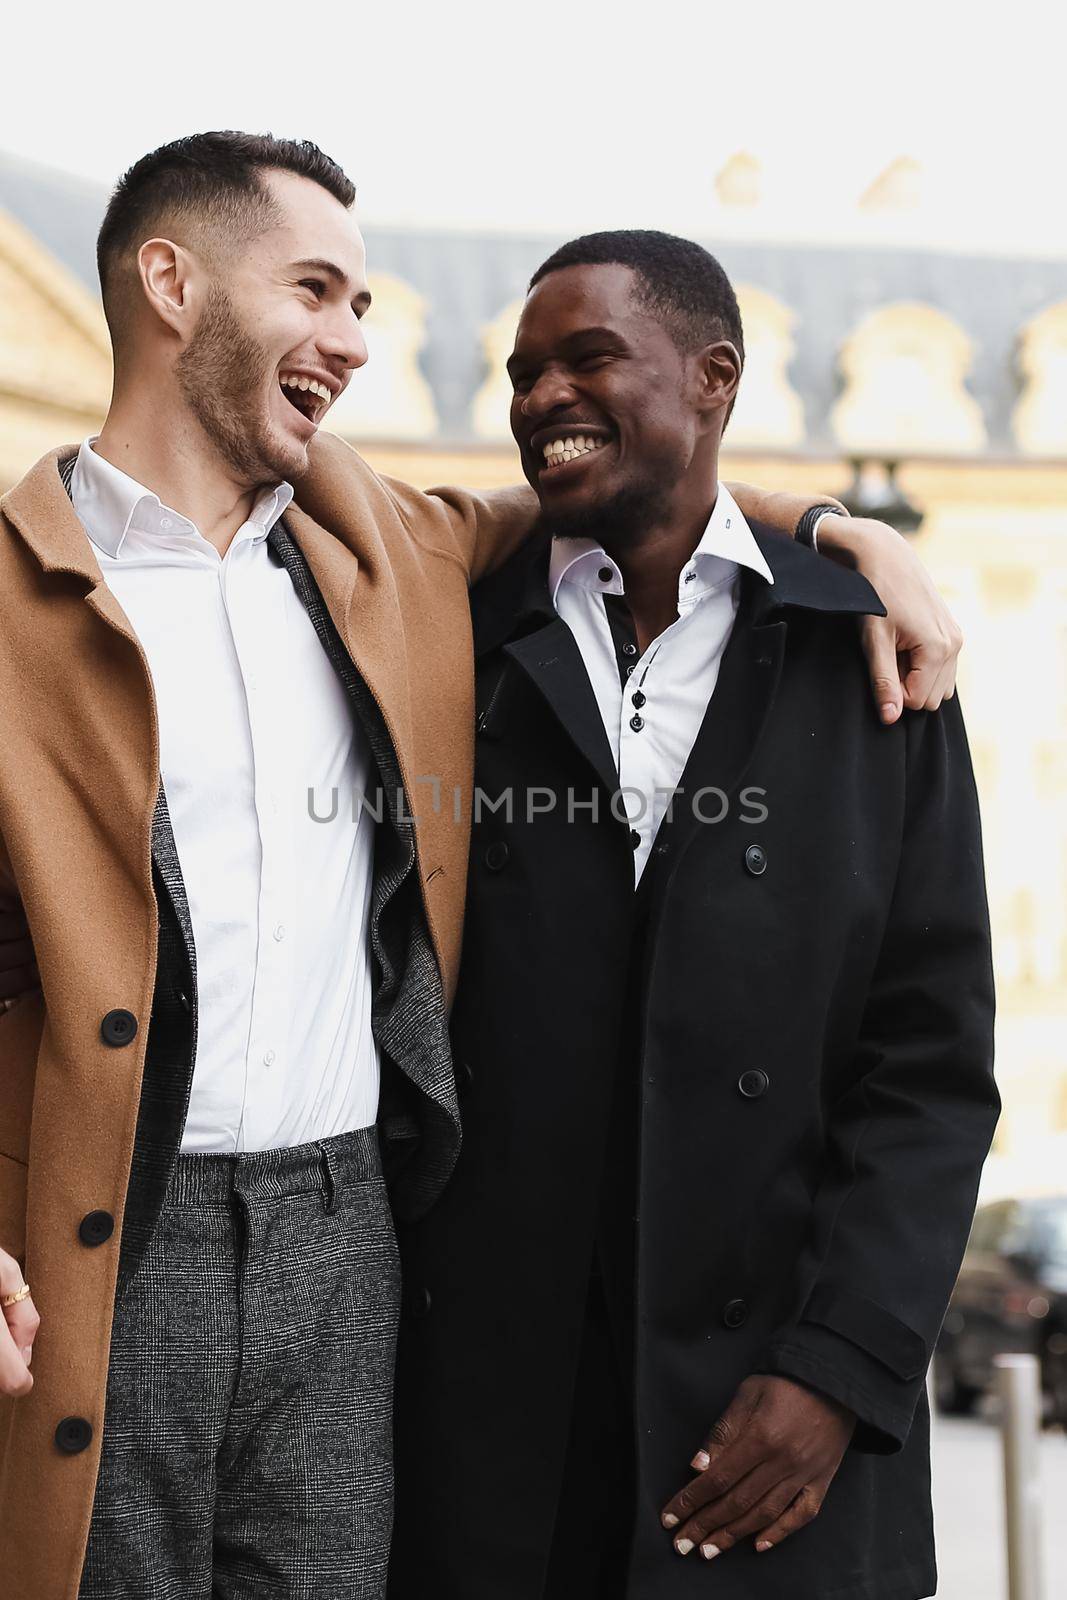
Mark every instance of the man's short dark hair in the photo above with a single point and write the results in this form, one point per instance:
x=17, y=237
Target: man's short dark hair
x=677, y=280
x=217, y=176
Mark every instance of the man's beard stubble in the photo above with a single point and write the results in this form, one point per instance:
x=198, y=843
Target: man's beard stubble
x=620, y=520
x=223, y=375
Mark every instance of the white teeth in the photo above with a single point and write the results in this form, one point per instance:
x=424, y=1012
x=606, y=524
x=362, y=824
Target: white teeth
x=308, y=385
x=558, y=450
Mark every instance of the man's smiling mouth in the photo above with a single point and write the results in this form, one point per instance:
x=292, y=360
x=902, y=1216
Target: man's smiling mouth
x=306, y=395
x=566, y=447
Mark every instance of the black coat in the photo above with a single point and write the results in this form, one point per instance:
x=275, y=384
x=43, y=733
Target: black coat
x=813, y=1043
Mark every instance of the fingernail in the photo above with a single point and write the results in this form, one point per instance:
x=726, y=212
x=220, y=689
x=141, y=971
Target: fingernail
x=669, y=1519
x=683, y=1546
x=709, y=1551
x=701, y=1461
x=764, y=1544
x=889, y=711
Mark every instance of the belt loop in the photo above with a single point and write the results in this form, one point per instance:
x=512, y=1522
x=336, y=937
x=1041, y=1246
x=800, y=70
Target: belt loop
x=329, y=1181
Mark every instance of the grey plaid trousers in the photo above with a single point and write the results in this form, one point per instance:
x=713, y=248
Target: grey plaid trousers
x=247, y=1438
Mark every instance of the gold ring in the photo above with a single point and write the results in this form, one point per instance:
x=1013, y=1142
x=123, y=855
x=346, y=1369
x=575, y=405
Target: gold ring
x=13, y=1299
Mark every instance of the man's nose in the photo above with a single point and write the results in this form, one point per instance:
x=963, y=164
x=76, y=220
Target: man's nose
x=344, y=342
x=552, y=390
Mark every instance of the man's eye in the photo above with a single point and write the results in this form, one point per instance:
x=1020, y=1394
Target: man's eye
x=594, y=359
x=316, y=285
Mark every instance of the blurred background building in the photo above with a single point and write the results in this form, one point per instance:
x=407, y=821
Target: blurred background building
x=892, y=357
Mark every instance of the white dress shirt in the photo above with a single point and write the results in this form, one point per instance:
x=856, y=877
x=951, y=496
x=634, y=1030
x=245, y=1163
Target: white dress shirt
x=677, y=674
x=251, y=717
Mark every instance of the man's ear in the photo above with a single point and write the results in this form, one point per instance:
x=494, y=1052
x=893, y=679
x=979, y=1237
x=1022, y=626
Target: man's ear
x=170, y=280
x=719, y=373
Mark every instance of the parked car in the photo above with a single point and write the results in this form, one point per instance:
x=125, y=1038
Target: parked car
x=1011, y=1297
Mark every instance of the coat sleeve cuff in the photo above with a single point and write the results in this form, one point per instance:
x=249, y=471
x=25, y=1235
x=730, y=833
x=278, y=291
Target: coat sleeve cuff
x=861, y=1355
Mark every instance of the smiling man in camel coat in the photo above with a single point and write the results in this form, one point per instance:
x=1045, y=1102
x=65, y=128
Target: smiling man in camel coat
x=237, y=1011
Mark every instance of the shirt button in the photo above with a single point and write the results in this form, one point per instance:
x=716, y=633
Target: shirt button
x=637, y=723
x=605, y=574
x=638, y=699
x=635, y=839
x=268, y=1059
x=629, y=649
x=629, y=670
x=279, y=932
x=166, y=524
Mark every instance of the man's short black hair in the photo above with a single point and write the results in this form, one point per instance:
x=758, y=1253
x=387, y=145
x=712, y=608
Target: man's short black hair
x=216, y=175
x=677, y=280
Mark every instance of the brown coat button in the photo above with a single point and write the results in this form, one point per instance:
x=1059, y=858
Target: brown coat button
x=73, y=1435
x=118, y=1028
x=96, y=1228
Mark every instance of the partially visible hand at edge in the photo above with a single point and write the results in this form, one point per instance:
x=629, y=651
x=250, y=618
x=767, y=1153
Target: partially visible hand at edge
x=911, y=653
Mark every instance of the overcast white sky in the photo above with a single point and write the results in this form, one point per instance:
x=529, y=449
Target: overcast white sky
x=564, y=117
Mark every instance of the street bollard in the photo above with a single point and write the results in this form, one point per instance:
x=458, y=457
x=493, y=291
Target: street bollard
x=1019, y=1387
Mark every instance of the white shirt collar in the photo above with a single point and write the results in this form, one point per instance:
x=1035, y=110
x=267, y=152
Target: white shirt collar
x=112, y=506
x=726, y=544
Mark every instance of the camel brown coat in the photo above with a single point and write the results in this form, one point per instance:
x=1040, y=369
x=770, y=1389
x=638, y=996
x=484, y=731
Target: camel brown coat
x=79, y=777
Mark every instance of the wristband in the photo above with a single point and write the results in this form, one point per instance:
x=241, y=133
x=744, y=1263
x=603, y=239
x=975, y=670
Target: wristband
x=807, y=527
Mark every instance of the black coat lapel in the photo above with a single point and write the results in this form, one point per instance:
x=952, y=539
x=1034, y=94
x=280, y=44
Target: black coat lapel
x=512, y=609
x=553, y=662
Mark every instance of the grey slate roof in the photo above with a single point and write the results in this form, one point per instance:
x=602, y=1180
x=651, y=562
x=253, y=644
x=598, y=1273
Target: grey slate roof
x=467, y=279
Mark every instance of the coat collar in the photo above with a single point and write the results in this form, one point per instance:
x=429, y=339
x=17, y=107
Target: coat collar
x=808, y=581
x=515, y=600
x=40, y=510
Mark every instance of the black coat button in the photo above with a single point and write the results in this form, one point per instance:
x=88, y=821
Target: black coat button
x=420, y=1304
x=756, y=859
x=96, y=1228
x=734, y=1314
x=496, y=856
x=637, y=723
x=74, y=1434
x=118, y=1028
x=753, y=1083
x=638, y=698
